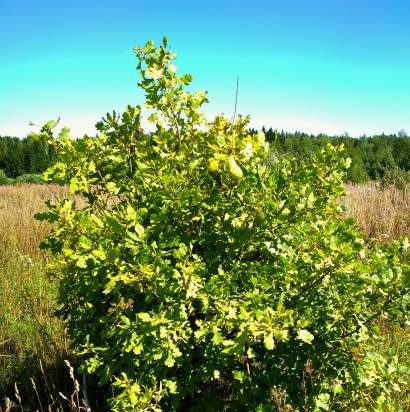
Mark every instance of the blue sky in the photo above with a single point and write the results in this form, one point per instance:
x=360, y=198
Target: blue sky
x=329, y=66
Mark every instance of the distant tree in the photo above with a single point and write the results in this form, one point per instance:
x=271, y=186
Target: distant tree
x=270, y=135
x=401, y=152
x=31, y=155
x=357, y=172
x=371, y=156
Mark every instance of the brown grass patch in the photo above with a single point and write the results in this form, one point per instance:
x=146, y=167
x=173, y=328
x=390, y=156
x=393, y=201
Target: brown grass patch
x=382, y=213
x=18, y=228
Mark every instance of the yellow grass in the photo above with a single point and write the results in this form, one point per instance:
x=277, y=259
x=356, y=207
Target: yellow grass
x=18, y=204
x=29, y=331
x=382, y=213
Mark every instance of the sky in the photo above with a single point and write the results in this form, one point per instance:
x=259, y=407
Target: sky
x=330, y=66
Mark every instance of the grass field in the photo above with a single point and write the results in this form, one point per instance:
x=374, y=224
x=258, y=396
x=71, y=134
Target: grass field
x=384, y=214
x=29, y=331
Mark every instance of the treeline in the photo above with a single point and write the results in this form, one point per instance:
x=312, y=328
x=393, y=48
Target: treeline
x=31, y=155
x=373, y=158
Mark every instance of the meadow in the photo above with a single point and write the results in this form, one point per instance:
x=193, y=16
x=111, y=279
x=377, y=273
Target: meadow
x=31, y=335
x=29, y=331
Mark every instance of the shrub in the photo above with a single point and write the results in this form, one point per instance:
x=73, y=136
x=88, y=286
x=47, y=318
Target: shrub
x=397, y=178
x=29, y=178
x=4, y=180
x=26, y=178
x=205, y=271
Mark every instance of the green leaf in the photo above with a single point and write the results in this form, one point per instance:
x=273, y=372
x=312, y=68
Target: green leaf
x=234, y=168
x=154, y=73
x=145, y=317
x=50, y=217
x=269, y=341
x=73, y=185
x=112, y=187
x=171, y=386
x=139, y=229
x=131, y=213
x=305, y=336
x=311, y=200
x=169, y=361
x=238, y=375
x=81, y=262
x=114, y=224
x=85, y=243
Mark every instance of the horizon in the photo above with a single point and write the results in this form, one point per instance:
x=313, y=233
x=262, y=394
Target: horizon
x=303, y=66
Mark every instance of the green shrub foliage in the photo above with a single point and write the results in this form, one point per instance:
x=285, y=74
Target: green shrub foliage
x=26, y=178
x=200, y=269
x=397, y=178
x=4, y=180
x=29, y=178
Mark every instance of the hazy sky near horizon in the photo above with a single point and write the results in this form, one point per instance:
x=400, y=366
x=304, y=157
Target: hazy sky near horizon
x=329, y=66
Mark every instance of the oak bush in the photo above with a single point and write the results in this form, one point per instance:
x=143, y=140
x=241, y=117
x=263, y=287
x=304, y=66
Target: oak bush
x=202, y=270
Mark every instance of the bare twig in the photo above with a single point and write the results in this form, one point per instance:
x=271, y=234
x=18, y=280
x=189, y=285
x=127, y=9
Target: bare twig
x=236, y=100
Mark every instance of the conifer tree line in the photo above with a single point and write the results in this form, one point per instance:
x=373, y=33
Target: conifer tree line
x=31, y=155
x=373, y=158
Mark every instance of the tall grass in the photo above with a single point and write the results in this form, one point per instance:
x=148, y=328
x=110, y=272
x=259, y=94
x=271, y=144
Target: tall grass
x=382, y=213
x=30, y=333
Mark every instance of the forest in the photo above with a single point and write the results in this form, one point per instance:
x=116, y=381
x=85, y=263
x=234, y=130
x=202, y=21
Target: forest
x=372, y=157
x=30, y=155
x=382, y=157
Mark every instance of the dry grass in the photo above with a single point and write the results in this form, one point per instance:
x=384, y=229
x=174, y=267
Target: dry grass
x=33, y=344
x=18, y=204
x=29, y=331
x=382, y=213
